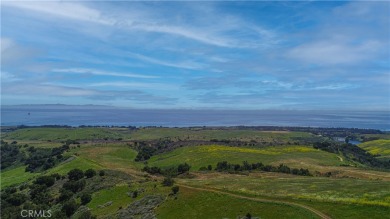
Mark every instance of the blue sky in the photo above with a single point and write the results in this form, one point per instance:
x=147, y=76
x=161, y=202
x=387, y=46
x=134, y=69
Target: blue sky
x=224, y=55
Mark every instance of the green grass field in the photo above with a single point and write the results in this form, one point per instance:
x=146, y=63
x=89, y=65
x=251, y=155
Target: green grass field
x=15, y=176
x=62, y=134
x=73, y=163
x=199, y=134
x=117, y=195
x=343, y=190
x=110, y=156
x=295, y=156
x=202, y=204
x=377, y=147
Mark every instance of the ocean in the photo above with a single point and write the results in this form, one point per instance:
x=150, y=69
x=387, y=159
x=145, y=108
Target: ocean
x=33, y=115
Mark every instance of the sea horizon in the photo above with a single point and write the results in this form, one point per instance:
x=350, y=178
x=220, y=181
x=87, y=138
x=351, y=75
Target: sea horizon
x=101, y=115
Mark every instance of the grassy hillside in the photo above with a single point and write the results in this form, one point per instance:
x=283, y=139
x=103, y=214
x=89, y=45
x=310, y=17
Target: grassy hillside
x=296, y=156
x=202, y=204
x=200, y=134
x=377, y=147
x=56, y=134
x=15, y=176
x=344, y=190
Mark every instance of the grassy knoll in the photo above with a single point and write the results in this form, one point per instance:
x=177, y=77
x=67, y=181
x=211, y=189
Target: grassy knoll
x=111, y=156
x=203, y=155
x=202, y=204
x=377, y=147
x=73, y=163
x=199, y=134
x=60, y=134
x=15, y=176
x=341, y=190
x=342, y=210
x=117, y=195
x=121, y=196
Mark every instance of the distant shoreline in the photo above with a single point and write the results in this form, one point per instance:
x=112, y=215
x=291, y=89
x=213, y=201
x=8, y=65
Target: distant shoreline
x=110, y=116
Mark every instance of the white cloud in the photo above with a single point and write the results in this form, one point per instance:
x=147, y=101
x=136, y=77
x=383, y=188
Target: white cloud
x=185, y=64
x=8, y=77
x=41, y=89
x=217, y=33
x=11, y=52
x=68, y=10
x=334, y=52
x=102, y=73
x=155, y=86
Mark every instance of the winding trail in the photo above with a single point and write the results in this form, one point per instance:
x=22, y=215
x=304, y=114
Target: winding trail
x=341, y=159
x=318, y=213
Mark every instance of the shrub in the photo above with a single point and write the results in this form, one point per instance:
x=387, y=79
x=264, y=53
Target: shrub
x=183, y=168
x=17, y=199
x=69, y=207
x=168, y=181
x=45, y=180
x=175, y=189
x=85, y=198
x=102, y=173
x=75, y=186
x=90, y=173
x=65, y=195
x=75, y=174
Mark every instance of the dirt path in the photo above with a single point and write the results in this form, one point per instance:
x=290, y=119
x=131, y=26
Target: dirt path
x=318, y=213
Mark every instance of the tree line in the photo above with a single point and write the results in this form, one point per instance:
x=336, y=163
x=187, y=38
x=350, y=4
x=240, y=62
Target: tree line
x=225, y=166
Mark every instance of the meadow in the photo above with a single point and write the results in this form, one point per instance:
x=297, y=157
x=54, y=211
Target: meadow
x=381, y=148
x=201, y=156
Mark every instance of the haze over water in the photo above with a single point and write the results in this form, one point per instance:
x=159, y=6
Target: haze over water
x=92, y=115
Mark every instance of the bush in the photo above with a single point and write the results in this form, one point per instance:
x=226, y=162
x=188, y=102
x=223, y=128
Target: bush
x=102, y=173
x=17, y=199
x=183, y=168
x=90, y=173
x=86, y=215
x=175, y=189
x=168, y=181
x=75, y=174
x=75, y=186
x=209, y=167
x=85, y=198
x=45, y=180
x=56, y=176
x=69, y=207
x=65, y=195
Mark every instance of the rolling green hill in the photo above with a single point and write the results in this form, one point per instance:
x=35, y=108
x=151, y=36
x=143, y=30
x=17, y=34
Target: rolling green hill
x=377, y=147
x=201, y=156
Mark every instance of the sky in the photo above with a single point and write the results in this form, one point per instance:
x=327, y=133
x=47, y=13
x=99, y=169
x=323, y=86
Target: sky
x=197, y=55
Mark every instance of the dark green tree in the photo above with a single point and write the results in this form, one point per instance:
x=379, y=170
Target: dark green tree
x=175, y=189
x=168, y=181
x=85, y=198
x=75, y=174
x=69, y=207
x=90, y=173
